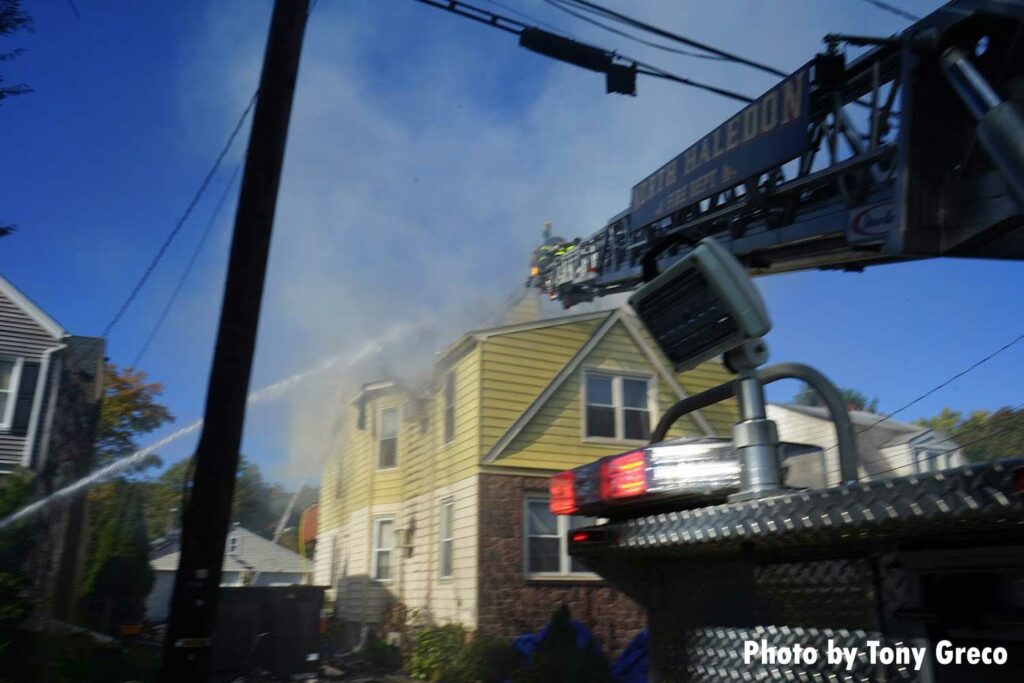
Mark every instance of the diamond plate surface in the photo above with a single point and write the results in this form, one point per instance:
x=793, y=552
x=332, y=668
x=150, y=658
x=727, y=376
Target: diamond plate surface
x=975, y=501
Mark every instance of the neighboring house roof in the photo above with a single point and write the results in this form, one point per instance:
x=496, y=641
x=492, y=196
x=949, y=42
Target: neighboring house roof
x=611, y=319
x=46, y=322
x=254, y=553
x=875, y=432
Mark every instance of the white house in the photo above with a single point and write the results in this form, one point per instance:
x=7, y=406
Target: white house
x=885, y=447
x=249, y=560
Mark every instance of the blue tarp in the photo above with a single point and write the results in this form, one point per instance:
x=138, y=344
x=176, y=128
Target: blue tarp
x=631, y=666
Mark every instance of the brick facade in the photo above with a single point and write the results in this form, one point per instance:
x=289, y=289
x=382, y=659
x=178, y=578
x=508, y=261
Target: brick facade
x=509, y=604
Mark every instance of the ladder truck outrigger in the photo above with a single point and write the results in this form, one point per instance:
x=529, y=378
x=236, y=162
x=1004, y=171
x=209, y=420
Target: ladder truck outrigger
x=913, y=150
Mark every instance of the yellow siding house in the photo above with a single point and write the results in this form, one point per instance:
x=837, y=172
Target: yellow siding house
x=437, y=496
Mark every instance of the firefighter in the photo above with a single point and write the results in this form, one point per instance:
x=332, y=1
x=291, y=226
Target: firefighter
x=543, y=255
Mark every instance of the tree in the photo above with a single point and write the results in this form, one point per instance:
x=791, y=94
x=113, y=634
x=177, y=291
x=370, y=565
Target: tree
x=119, y=576
x=15, y=544
x=983, y=435
x=851, y=397
x=257, y=504
x=129, y=410
x=12, y=20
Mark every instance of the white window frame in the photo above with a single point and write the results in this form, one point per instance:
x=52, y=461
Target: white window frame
x=234, y=544
x=448, y=413
x=7, y=418
x=446, y=537
x=618, y=405
x=380, y=435
x=563, y=527
x=375, y=551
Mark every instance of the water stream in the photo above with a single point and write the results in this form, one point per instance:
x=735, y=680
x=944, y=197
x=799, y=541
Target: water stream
x=342, y=361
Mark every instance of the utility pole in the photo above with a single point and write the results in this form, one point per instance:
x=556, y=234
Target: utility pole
x=206, y=515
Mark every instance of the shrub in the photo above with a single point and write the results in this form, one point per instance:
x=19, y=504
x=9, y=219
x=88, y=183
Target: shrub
x=382, y=656
x=484, y=660
x=435, y=651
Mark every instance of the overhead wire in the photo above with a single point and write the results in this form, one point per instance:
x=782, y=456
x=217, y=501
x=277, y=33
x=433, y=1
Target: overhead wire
x=516, y=27
x=594, y=8
x=945, y=383
x=133, y=294
x=1006, y=430
x=658, y=46
x=892, y=9
x=188, y=267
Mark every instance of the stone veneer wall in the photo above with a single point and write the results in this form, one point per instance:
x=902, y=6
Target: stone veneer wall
x=509, y=604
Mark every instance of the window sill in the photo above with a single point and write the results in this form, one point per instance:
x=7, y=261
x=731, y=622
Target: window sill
x=387, y=469
x=608, y=441
x=563, y=578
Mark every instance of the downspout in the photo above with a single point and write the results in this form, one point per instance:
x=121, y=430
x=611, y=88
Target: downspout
x=51, y=407
x=37, y=405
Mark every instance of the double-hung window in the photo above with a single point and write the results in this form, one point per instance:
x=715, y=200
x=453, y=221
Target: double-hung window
x=616, y=407
x=449, y=406
x=547, y=543
x=10, y=370
x=447, y=536
x=388, y=438
x=383, y=548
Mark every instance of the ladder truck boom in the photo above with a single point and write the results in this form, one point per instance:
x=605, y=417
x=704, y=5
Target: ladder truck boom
x=915, y=149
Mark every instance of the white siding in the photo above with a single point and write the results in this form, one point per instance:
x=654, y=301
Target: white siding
x=416, y=574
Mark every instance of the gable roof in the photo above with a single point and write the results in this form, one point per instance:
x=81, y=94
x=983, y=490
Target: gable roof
x=620, y=315
x=255, y=553
x=484, y=333
x=37, y=314
x=860, y=418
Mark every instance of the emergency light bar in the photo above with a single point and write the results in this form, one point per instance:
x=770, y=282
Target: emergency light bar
x=688, y=472
x=704, y=305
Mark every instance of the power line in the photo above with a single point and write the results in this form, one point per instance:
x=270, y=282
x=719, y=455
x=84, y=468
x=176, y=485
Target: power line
x=892, y=9
x=181, y=221
x=188, y=268
x=946, y=383
x=516, y=27
x=1000, y=432
x=658, y=46
x=650, y=28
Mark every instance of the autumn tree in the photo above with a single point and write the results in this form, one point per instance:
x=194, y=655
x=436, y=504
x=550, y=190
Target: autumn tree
x=129, y=410
x=851, y=398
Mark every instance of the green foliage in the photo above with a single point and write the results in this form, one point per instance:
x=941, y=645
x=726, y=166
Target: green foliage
x=851, y=397
x=382, y=656
x=484, y=660
x=983, y=435
x=435, y=651
x=258, y=504
x=15, y=543
x=558, y=659
x=119, y=576
x=129, y=410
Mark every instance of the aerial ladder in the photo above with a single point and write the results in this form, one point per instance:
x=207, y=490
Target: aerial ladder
x=913, y=150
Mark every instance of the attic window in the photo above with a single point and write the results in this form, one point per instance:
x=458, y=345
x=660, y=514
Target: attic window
x=234, y=544
x=387, y=456
x=616, y=407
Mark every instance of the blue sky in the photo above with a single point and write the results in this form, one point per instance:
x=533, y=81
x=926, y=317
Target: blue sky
x=425, y=153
